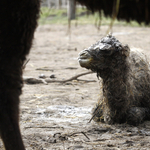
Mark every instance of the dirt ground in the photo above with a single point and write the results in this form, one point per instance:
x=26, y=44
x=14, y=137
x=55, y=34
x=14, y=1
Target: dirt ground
x=55, y=116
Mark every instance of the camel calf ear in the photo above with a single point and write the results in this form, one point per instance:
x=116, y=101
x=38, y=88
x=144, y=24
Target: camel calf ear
x=126, y=50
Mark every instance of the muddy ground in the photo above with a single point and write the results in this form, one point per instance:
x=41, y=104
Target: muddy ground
x=56, y=116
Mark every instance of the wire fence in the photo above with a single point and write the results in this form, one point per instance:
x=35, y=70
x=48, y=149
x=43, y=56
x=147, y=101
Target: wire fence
x=57, y=4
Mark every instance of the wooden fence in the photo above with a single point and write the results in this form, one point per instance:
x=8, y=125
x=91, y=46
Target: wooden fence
x=70, y=5
x=55, y=3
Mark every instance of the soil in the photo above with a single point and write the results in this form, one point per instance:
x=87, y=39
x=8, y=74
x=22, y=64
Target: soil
x=56, y=116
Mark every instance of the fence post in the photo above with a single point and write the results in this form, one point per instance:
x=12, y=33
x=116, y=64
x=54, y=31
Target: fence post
x=71, y=9
x=58, y=4
x=64, y=3
x=49, y=3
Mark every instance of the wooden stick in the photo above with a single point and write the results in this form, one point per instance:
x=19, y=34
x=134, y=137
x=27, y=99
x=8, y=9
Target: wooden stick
x=24, y=65
x=31, y=80
x=72, y=78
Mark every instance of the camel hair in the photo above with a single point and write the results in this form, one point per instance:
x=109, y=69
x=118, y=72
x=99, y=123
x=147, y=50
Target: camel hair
x=18, y=21
x=125, y=76
x=138, y=10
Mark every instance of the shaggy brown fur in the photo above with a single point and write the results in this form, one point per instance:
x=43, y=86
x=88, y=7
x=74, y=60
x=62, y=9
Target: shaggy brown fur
x=18, y=20
x=125, y=78
x=138, y=10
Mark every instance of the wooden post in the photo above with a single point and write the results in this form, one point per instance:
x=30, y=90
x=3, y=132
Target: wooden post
x=58, y=4
x=63, y=3
x=71, y=9
x=49, y=3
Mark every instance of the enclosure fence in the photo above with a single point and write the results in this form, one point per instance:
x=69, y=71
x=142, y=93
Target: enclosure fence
x=57, y=4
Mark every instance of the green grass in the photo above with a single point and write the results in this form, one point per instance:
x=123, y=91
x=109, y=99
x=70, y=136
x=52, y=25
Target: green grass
x=59, y=16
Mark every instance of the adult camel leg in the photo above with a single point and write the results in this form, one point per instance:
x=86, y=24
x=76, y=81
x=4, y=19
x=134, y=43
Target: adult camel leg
x=18, y=21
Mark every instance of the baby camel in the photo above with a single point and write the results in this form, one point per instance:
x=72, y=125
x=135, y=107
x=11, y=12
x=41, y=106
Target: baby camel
x=125, y=78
